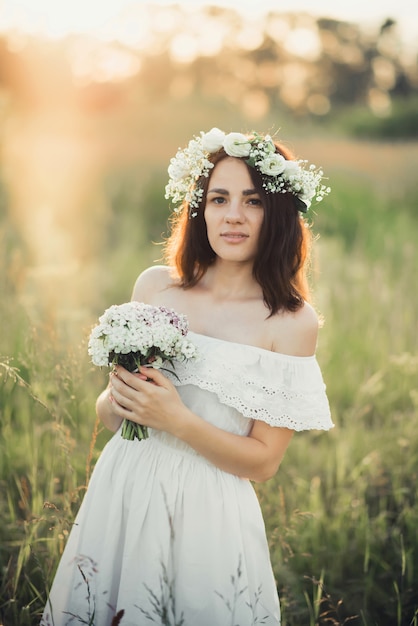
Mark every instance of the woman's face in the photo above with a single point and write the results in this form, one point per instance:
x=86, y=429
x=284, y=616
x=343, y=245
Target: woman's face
x=234, y=212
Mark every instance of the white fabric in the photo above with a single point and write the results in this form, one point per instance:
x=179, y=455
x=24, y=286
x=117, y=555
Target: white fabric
x=159, y=521
x=279, y=389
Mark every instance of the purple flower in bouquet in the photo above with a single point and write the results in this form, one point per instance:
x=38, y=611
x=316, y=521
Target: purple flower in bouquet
x=134, y=334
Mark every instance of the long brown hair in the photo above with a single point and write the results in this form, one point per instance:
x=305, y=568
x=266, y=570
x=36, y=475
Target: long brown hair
x=281, y=262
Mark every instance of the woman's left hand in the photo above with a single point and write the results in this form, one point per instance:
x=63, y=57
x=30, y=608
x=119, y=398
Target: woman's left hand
x=147, y=397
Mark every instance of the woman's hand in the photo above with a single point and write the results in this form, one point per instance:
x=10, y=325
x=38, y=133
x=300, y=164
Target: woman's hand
x=147, y=397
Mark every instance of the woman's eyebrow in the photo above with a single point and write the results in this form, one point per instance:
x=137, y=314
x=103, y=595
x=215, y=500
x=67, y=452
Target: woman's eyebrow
x=225, y=192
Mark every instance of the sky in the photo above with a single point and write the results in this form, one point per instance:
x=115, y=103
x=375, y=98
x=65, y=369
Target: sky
x=66, y=14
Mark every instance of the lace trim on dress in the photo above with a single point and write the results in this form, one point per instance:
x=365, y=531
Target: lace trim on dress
x=278, y=389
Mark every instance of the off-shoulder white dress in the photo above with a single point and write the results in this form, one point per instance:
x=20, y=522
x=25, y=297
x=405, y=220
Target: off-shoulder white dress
x=164, y=534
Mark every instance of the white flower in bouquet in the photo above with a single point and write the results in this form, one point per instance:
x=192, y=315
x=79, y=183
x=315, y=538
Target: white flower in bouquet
x=134, y=334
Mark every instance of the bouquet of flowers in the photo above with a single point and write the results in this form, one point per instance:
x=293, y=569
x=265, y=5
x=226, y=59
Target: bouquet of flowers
x=134, y=334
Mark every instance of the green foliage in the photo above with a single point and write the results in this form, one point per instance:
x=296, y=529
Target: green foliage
x=401, y=123
x=346, y=511
x=342, y=513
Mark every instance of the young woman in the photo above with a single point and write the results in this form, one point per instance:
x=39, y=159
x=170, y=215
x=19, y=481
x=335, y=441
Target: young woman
x=170, y=530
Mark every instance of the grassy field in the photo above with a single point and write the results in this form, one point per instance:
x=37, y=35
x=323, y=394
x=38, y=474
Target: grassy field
x=342, y=512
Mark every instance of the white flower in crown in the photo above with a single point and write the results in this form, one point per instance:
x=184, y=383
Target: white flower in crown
x=178, y=169
x=267, y=144
x=272, y=165
x=237, y=145
x=213, y=140
x=291, y=169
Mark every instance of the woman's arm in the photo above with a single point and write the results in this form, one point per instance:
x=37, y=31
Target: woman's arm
x=105, y=411
x=256, y=457
x=156, y=403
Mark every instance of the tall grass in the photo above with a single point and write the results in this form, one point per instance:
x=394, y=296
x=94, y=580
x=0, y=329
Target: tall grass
x=342, y=512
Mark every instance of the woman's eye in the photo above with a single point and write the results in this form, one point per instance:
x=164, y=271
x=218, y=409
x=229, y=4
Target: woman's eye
x=218, y=200
x=255, y=202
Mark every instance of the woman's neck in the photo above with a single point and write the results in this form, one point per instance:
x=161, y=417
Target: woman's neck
x=231, y=281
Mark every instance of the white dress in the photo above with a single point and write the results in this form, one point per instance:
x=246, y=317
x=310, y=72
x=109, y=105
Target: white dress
x=166, y=536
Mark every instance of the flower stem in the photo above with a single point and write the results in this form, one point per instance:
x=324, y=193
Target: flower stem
x=132, y=430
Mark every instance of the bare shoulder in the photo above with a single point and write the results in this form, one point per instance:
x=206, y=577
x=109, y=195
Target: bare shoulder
x=151, y=281
x=296, y=333
x=306, y=317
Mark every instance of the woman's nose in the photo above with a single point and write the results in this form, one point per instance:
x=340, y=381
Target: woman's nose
x=234, y=212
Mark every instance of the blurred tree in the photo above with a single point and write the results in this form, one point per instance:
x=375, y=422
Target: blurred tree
x=306, y=65
x=292, y=62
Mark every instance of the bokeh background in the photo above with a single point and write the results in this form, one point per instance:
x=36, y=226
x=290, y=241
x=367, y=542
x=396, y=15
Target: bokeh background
x=95, y=98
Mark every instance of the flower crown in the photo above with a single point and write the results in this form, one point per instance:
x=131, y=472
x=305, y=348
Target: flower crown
x=279, y=175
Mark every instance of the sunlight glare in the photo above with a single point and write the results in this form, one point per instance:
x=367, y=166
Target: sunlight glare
x=250, y=36
x=303, y=42
x=101, y=63
x=184, y=48
x=58, y=18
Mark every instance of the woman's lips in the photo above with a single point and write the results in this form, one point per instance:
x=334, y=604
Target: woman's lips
x=234, y=237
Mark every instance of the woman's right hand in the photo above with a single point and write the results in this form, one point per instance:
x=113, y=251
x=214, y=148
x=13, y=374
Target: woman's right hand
x=148, y=398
